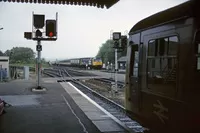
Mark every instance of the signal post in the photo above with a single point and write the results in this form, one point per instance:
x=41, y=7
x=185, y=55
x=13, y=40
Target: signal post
x=120, y=42
x=39, y=33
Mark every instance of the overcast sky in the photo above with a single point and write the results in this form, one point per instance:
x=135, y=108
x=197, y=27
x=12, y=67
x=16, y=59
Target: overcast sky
x=81, y=29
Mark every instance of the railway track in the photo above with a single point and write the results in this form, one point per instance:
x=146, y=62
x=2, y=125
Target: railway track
x=52, y=72
x=117, y=112
x=110, y=81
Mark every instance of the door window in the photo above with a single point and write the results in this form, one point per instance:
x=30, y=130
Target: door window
x=198, y=57
x=161, y=65
x=135, y=72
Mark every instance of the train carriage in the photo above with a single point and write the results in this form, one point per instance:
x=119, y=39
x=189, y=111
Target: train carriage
x=163, y=70
x=85, y=62
x=89, y=62
x=75, y=62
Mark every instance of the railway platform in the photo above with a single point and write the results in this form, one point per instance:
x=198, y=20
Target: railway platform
x=60, y=109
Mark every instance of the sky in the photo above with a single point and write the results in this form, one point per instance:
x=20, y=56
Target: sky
x=81, y=29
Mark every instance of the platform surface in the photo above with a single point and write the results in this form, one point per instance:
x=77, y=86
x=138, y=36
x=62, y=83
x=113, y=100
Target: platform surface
x=60, y=109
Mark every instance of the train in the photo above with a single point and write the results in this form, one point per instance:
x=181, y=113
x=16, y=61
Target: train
x=163, y=70
x=88, y=63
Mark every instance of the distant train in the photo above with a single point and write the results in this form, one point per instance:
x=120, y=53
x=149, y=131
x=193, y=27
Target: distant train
x=89, y=63
x=163, y=70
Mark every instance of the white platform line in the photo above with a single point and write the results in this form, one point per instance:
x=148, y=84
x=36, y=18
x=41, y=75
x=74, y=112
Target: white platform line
x=98, y=106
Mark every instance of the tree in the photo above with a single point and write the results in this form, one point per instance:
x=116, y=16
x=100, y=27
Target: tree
x=7, y=53
x=21, y=55
x=107, y=52
x=1, y=53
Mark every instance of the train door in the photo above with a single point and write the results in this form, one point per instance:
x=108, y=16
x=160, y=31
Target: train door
x=193, y=90
x=159, y=78
x=132, y=88
x=197, y=53
x=135, y=92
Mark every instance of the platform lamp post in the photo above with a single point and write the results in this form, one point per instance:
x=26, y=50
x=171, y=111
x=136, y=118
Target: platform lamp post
x=116, y=38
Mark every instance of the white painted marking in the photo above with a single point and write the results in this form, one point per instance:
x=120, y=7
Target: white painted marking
x=98, y=106
x=38, y=90
x=160, y=112
x=104, y=116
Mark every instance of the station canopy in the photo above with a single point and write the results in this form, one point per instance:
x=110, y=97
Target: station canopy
x=95, y=3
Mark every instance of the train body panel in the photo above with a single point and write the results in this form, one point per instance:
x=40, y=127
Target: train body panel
x=163, y=71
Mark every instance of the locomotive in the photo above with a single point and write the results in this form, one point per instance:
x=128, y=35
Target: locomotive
x=163, y=70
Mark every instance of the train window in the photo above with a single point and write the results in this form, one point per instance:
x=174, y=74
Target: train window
x=135, y=72
x=161, y=65
x=172, y=49
x=170, y=64
x=198, y=57
x=151, y=48
x=162, y=47
x=198, y=63
x=153, y=63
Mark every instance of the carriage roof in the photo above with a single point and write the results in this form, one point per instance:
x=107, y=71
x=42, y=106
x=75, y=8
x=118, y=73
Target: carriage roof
x=186, y=9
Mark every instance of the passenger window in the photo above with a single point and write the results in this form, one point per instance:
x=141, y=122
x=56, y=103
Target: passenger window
x=162, y=64
x=162, y=48
x=151, y=48
x=135, y=72
x=198, y=63
x=198, y=58
x=153, y=63
x=173, y=41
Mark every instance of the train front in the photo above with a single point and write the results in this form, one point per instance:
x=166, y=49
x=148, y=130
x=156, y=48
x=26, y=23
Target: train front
x=97, y=63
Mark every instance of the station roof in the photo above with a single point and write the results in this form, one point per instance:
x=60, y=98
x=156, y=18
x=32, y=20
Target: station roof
x=186, y=9
x=96, y=3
